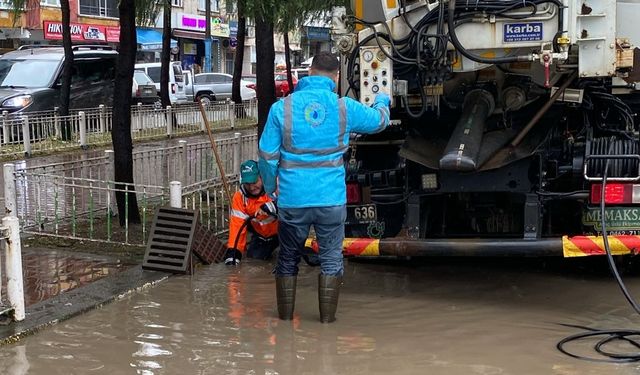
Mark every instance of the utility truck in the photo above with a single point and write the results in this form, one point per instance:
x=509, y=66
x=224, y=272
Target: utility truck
x=507, y=115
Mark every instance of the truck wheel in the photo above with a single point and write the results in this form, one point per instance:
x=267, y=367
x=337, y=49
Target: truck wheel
x=205, y=99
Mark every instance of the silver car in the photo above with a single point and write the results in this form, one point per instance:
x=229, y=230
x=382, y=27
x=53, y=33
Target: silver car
x=208, y=87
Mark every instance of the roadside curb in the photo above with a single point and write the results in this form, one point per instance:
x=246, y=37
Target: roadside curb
x=77, y=301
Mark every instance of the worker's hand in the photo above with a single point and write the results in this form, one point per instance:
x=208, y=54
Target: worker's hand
x=232, y=257
x=382, y=98
x=269, y=209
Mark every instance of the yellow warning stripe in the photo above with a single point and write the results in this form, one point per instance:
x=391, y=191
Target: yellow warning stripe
x=579, y=246
x=352, y=246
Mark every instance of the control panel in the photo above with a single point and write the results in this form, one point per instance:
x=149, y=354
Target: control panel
x=376, y=73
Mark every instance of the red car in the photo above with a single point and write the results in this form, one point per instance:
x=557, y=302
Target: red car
x=282, y=86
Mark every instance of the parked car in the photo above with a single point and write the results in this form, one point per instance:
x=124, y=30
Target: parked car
x=282, y=84
x=250, y=78
x=210, y=87
x=176, y=79
x=144, y=89
x=30, y=78
x=300, y=73
x=188, y=85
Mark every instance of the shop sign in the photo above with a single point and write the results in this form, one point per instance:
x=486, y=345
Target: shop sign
x=233, y=28
x=190, y=49
x=199, y=23
x=318, y=33
x=82, y=32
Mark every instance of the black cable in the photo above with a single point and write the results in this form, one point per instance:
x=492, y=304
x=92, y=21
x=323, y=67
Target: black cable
x=608, y=336
x=460, y=48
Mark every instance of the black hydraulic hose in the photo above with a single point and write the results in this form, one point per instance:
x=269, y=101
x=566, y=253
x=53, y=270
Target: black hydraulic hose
x=608, y=336
x=454, y=40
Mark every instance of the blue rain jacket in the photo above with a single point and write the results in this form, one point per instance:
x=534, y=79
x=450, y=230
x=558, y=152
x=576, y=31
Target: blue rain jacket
x=305, y=137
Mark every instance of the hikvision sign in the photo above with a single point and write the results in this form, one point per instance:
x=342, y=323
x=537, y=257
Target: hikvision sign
x=82, y=32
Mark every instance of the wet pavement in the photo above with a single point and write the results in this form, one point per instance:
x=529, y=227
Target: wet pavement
x=438, y=316
x=49, y=272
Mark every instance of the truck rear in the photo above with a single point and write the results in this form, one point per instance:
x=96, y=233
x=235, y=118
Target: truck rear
x=507, y=115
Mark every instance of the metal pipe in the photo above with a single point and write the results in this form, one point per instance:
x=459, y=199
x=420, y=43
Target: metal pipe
x=175, y=194
x=463, y=148
x=13, y=257
x=364, y=247
x=10, y=200
x=516, y=141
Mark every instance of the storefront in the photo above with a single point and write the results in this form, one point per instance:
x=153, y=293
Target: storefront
x=315, y=40
x=150, y=45
x=189, y=30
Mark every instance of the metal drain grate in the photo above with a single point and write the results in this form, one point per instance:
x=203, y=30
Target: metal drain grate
x=169, y=246
x=207, y=246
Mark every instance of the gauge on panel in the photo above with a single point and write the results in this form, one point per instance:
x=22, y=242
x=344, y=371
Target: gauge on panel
x=367, y=56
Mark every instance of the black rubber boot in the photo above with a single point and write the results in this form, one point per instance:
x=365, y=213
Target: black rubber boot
x=286, y=294
x=328, y=292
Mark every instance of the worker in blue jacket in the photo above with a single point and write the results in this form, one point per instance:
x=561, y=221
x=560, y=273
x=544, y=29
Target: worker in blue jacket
x=301, y=151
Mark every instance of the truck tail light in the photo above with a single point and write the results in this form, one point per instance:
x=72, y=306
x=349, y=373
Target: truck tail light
x=251, y=86
x=138, y=92
x=616, y=193
x=354, y=194
x=173, y=88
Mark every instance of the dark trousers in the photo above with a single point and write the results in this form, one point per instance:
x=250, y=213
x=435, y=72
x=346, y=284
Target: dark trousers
x=293, y=229
x=261, y=247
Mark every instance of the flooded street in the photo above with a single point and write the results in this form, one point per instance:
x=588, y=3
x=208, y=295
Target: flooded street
x=442, y=316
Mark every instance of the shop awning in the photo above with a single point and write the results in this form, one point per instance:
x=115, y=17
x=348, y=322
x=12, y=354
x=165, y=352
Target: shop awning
x=151, y=40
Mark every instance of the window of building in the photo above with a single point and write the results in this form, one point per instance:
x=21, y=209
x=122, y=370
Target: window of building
x=176, y=3
x=231, y=6
x=101, y=8
x=215, y=5
x=6, y=4
x=50, y=3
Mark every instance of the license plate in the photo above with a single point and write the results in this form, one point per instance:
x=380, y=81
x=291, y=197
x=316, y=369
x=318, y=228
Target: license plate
x=616, y=218
x=362, y=214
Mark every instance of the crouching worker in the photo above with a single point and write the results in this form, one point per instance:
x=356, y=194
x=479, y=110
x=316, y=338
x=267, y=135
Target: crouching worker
x=252, y=210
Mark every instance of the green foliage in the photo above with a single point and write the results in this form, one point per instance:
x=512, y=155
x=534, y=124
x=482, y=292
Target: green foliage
x=18, y=7
x=287, y=15
x=147, y=11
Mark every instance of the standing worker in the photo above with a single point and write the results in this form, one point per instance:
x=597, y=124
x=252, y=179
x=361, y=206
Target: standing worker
x=252, y=210
x=301, y=149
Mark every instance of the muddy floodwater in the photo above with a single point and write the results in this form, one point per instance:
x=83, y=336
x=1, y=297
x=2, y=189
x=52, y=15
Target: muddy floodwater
x=441, y=316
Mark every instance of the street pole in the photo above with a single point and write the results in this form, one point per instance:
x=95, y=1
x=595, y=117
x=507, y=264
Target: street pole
x=207, y=37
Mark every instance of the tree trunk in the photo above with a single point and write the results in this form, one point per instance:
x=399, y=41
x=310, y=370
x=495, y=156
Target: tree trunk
x=265, y=57
x=239, y=61
x=67, y=70
x=207, y=37
x=165, y=58
x=121, y=133
x=287, y=57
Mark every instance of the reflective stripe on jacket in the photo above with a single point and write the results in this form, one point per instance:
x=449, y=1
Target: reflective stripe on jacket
x=243, y=208
x=304, y=139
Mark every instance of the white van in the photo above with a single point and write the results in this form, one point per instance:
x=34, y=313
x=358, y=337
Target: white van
x=176, y=79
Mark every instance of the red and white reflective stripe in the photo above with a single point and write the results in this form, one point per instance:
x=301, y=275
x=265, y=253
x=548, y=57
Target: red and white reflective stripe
x=616, y=193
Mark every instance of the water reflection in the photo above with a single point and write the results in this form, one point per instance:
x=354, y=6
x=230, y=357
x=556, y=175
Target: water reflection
x=48, y=273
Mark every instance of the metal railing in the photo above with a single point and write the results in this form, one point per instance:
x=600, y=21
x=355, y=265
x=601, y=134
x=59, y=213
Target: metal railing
x=40, y=132
x=76, y=199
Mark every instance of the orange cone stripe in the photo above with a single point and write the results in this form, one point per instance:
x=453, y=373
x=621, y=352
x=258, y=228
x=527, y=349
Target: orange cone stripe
x=352, y=246
x=579, y=246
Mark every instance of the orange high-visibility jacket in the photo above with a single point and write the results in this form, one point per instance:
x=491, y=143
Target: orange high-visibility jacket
x=243, y=208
